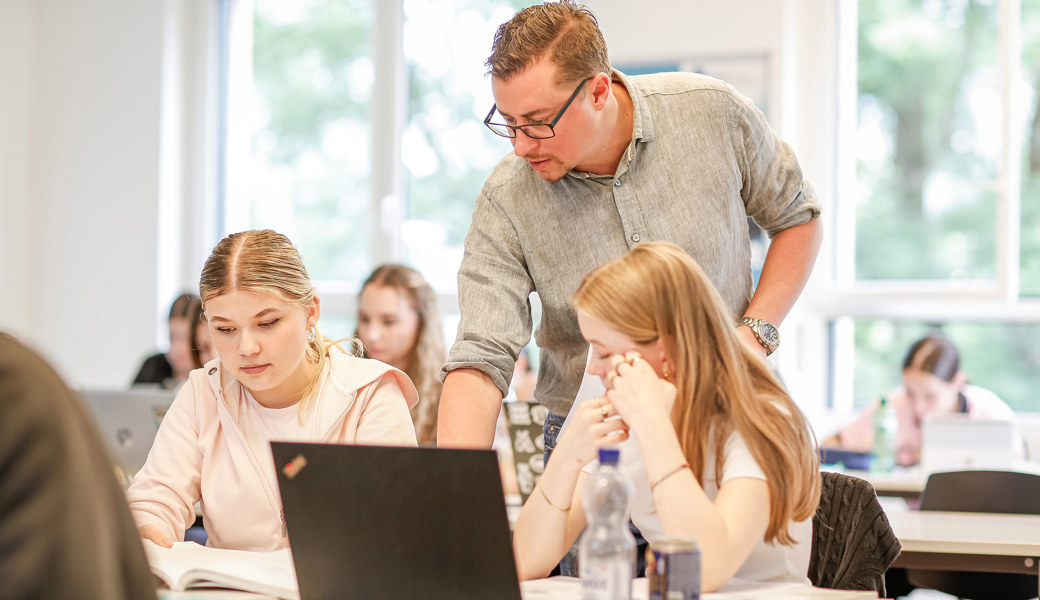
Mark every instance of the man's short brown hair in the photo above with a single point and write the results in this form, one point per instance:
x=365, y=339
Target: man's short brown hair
x=566, y=32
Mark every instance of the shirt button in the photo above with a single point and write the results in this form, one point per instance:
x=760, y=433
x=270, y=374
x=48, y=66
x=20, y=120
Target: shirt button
x=617, y=183
x=635, y=237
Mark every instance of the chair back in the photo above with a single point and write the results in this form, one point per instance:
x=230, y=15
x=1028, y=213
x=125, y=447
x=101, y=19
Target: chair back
x=1006, y=492
x=853, y=543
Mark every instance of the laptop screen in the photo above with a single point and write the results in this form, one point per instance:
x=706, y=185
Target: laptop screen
x=958, y=442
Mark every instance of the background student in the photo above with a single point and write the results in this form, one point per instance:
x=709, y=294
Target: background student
x=399, y=323
x=65, y=531
x=933, y=383
x=278, y=378
x=200, y=341
x=715, y=446
x=171, y=368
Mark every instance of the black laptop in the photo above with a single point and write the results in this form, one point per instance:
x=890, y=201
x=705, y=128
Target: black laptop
x=396, y=523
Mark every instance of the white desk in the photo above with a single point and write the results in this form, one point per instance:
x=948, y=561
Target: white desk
x=908, y=482
x=569, y=588
x=980, y=542
x=903, y=482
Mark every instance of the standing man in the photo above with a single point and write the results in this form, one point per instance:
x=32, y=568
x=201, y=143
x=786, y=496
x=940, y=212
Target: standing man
x=602, y=161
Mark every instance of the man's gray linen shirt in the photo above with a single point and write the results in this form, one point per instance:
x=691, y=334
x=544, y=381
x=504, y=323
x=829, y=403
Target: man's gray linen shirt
x=702, y=159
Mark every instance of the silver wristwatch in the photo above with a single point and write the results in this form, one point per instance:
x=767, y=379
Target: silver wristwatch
x=765, y=333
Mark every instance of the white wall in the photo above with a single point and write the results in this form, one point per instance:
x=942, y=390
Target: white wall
x=18, y=74
x=662, y=31
x=82, y=182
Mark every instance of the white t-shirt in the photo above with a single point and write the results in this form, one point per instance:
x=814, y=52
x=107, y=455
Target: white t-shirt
x=260, y=425
x=767, y=562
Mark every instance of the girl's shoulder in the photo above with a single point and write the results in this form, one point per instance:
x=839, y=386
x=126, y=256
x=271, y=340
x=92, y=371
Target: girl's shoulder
x=351, y=373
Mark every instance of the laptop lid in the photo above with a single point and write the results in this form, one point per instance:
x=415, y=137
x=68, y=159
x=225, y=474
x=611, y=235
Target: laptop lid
x=958, y=442
x=128, y=420
x=395, y=523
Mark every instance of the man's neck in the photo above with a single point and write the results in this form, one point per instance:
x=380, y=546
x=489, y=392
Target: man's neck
x=618, y=118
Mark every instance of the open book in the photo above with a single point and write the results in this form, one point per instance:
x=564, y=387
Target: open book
x=188, y=565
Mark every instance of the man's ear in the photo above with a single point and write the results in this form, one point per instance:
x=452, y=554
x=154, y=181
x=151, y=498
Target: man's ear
x=600, y=89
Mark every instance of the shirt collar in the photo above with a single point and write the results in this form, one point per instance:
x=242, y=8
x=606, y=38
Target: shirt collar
x=642, y=119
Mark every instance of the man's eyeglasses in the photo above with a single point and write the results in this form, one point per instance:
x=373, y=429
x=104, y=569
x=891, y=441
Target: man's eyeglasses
x=536, y=131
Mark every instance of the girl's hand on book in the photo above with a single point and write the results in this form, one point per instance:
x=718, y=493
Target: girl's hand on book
x=151, y=532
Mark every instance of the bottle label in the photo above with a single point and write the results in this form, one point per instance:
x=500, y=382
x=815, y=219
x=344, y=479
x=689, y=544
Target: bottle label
x=606, y=580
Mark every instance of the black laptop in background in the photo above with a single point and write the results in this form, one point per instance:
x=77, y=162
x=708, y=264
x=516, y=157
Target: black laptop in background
x=396, y=523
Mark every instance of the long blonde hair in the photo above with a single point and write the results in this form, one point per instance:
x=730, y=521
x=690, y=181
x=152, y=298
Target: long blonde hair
x=428, y=354
x=657, y=291
x=265, y=261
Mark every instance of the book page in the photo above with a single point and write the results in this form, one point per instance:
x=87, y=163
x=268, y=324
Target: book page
x=188, y=565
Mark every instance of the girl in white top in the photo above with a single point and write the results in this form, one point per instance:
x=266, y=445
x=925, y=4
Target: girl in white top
x=276, y=377
x=933, y=384
x=725, y=454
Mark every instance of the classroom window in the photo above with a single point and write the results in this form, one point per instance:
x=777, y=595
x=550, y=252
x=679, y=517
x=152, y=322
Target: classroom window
x=354, y=127
x=941, y=229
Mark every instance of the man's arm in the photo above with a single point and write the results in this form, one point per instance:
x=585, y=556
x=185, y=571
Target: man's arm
x=470, y=403
x=789, y=261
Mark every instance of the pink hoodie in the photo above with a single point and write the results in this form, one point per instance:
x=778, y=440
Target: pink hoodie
x=201, y=453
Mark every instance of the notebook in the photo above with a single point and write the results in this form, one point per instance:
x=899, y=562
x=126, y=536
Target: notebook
x=958, y=442
x=396, y=523
x=128, y=420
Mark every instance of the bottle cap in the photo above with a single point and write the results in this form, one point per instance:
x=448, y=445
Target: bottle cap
x=609, y=456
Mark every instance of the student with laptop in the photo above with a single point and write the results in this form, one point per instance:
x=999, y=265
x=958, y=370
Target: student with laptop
x=933, y=384
x=715, y=446
x=201, y=341
x=277, y=378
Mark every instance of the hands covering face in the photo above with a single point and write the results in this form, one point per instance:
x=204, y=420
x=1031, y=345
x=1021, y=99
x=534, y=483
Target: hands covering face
x=637, y=398
x=637, y=392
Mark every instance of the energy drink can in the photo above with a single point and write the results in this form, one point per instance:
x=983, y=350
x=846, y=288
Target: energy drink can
x=673, y=567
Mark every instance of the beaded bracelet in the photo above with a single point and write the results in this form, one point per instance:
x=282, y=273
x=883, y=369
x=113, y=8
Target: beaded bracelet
x=653, y=485
x=563, y=510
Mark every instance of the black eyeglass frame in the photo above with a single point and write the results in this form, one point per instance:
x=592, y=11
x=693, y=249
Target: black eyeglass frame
x=514, y=128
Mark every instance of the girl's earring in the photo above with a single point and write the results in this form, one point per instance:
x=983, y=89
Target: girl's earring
x=667, y=373
x=310, y=334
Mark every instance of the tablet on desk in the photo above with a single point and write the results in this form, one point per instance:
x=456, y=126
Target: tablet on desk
x=958, y=442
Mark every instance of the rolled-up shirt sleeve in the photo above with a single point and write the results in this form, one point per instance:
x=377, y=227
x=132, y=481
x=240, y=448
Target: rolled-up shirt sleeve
x=494, y=298
x=775, y=193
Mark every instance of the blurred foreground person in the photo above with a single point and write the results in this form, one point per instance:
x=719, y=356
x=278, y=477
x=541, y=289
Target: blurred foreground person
x=65, y=531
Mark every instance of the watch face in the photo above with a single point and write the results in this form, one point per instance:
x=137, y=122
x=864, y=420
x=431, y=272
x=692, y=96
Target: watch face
x=768, y=333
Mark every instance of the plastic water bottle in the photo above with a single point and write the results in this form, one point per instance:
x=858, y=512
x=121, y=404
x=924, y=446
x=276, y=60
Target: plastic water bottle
x=607, y=553
x=883, y=454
